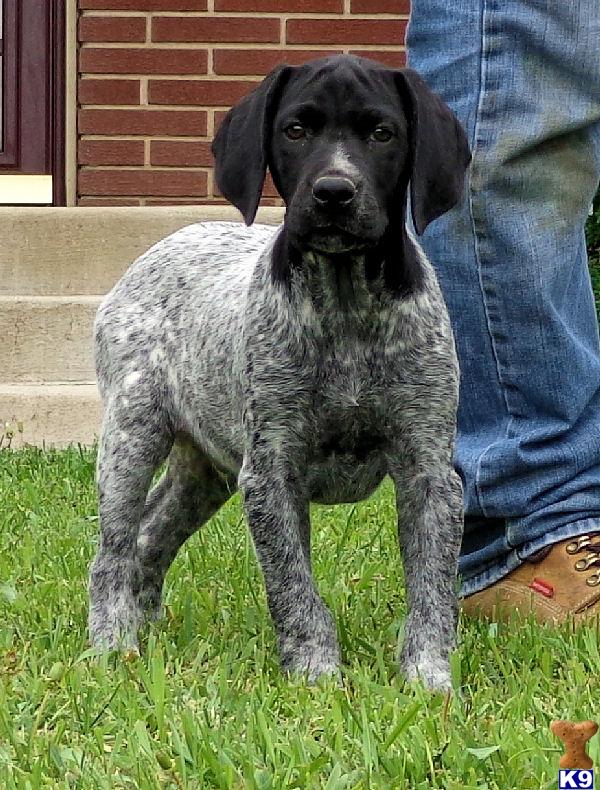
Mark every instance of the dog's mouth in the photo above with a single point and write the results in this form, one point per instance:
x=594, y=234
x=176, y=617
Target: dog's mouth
x=335, y=240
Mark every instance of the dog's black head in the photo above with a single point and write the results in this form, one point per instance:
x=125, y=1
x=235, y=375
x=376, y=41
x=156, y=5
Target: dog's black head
x=343, y=138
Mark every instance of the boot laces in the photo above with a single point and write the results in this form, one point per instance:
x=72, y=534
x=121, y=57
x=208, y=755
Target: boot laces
x=591, y=545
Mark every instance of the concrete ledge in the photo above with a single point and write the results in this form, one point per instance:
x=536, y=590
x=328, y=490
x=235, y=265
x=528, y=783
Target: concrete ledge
x=47, y=338
x=51, y=414
x=55, y=264
x=85, y=250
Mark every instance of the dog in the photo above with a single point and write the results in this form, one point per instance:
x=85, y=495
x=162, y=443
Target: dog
x=302, y=363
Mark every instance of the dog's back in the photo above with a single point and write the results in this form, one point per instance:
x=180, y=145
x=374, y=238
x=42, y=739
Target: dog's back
x=151, y=328
x=165, y=301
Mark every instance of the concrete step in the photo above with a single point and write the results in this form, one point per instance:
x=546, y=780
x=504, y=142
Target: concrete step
x=55, y=265
x=47, y=338
x=49, y=414
x=74, y=251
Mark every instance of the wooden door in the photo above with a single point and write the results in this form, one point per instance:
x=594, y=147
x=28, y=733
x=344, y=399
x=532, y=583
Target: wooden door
x=32, y=102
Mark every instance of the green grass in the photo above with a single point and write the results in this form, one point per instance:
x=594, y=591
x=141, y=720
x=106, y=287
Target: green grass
x=593, y=245
x=206, y=706
x=595, y=275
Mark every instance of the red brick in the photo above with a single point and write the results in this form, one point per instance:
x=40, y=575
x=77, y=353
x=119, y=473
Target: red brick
x=111, y=152
x=215, y=29
x=112, y=28
x=180, y=153
x=112, y=201
x=142, y=61
x=270, y=196
x=145, y=122
x=380, y=7
x=144, y=5
x=199, y=92
x=168, y=183
x=109, y=91
x=394, y=60
x=261, y=61
x=212, y=201
x=179, y=201
x=276, y=6
x=219, y=115
x=269, y=188
x=345, y=31
x=220, y=201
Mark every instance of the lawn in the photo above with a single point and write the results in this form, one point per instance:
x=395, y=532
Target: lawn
x=205, y=704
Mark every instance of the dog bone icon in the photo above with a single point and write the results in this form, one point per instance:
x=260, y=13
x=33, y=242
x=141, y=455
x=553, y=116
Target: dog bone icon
x=574, y=735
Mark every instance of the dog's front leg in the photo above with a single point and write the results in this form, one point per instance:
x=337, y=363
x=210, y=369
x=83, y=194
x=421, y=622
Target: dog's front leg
x=429, y=503
x=277, y=513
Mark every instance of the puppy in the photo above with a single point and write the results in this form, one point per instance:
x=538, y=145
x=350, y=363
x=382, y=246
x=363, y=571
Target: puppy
x=301, y=363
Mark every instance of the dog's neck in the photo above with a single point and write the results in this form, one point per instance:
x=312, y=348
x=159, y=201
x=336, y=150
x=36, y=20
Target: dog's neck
x=338, y=284
x=350, y=281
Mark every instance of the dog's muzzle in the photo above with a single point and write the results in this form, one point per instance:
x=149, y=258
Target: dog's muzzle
x=333, y=192
x=335, y=204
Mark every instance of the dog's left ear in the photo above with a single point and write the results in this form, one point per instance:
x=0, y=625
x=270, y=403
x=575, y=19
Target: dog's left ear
x=439, y=148
x=240, y=147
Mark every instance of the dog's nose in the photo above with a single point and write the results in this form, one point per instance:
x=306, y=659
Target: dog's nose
x=332, y=191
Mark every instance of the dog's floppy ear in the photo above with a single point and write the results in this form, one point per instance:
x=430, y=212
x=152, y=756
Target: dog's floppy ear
x=439, y=148
x=240, y=147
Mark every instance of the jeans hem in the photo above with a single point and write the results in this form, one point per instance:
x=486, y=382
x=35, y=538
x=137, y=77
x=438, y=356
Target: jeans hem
x=498, y=569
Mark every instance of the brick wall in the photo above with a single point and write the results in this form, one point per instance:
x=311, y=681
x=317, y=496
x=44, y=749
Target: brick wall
x=156, y=77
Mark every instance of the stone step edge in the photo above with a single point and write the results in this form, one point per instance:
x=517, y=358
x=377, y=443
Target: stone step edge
x=49, y=415
x=51, y=299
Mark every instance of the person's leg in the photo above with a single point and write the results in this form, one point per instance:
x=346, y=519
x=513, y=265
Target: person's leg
x=524, y=79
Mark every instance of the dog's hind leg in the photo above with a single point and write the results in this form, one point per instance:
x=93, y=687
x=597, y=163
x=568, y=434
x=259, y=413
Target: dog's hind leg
x=135, y=441
x=188, y=494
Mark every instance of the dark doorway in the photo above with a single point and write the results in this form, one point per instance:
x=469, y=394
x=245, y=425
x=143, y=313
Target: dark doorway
x=32, y=46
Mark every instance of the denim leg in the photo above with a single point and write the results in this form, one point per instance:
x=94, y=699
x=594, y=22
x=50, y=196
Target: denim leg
x=524, y=78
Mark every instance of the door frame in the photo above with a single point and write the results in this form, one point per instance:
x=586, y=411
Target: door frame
x=33, y=139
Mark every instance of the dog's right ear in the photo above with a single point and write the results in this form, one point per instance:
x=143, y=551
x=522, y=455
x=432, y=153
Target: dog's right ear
x=241, y=145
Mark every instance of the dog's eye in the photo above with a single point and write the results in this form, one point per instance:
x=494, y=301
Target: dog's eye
x=381, y=134
x=295, y=131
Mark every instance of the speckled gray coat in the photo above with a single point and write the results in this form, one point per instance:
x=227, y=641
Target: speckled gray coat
x=302, y=363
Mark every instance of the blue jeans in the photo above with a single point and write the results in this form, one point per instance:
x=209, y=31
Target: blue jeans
x=523, y=76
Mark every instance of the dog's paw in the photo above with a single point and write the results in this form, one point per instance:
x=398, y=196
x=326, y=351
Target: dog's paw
x=315, y=670
x=113, y=627
x=125, y=643
x=151, y=605
x=310, y=660
x=433, y=672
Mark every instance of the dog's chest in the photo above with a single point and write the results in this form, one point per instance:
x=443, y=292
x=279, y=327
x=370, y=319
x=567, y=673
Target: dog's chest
x=347, y=459
x=349, y=388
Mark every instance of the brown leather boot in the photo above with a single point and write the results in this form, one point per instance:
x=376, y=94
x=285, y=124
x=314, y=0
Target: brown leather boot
x=560, y=582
